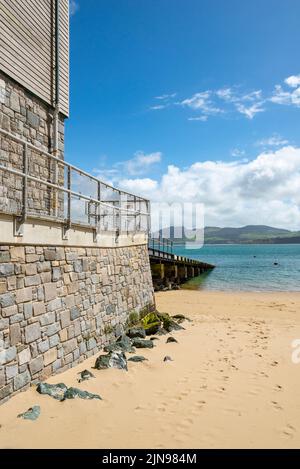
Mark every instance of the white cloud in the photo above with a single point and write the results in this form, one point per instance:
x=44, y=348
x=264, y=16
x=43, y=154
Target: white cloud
x=145, y=186
x=253, y=96
x=165, y=97
x=237, y=153
x=73, y=7
x=138, y=165
x=222, y=101
x=250, y=111
x=158, y=106
x=265, y=190
x=199, y=118
x=288, y=97
x=226, y=94
x=293, y=81
x=201, y=102
x=273, y=141
x=231, y=95
x=228, y=99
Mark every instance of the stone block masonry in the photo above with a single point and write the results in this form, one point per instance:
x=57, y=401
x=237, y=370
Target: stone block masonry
x=32, y=120
x=60, y=305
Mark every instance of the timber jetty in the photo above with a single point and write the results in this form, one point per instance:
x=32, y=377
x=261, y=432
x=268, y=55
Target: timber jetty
x=169, y=270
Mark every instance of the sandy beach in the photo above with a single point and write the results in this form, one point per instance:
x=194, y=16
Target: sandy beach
x=231, y=384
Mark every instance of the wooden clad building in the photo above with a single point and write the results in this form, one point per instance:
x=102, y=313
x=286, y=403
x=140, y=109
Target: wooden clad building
x=29, y=32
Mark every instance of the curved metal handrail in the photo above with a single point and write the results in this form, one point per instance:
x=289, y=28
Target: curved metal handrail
x=98, y=203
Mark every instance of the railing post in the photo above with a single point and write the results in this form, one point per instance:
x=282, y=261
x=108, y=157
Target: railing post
x=54, y=191
x=120, y=212
x=135, y=215
x=140, y=216
x=99, y=206
x=25, y=182
x=19, y=221
x=148, y=206
x=69, y=204
x=69, y=197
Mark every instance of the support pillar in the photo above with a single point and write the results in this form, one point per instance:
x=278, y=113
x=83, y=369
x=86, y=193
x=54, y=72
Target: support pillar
x=190, y=271
x=182, y=273
x=158, y=271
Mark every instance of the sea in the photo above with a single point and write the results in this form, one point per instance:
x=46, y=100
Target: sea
x=247, y=267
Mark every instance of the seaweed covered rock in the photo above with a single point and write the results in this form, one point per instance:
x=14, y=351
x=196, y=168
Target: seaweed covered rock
x=142, y=343
x=123, y=344
x=134, y=332
x=171, y=339
x=179, y=318
x=137, y=358
x=85, y=375
x=162, y=331
x=168, y=359
x=168, y=323
x=31, y=414
x=116, y=359
x=57, y=391
x=151, y=323
x=61, y=392
x=72, y=393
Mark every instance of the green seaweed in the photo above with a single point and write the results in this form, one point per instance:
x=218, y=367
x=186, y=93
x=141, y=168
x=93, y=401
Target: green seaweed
x=151, y=323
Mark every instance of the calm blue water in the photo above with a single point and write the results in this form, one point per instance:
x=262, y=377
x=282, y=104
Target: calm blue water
x=238, y=269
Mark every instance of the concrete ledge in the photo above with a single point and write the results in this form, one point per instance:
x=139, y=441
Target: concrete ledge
x=52, y=233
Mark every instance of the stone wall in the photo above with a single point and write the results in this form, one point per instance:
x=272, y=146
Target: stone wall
x=59, y=305
x=29, y=118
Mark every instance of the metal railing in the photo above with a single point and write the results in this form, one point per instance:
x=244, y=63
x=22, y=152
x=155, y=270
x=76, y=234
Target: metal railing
x=161, y=247
x=73, y=195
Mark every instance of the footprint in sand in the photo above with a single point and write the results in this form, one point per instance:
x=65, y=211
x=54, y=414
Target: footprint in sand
x=278, y=387
x=288, y=431
x=116, y=385
x=185, y=424
x=200, y=404
x=276, y=405
x=161, y=409
x=140, y=407
x=274, y=363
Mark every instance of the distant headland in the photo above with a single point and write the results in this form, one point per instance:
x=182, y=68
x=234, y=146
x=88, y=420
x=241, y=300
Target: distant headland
x=250, y=234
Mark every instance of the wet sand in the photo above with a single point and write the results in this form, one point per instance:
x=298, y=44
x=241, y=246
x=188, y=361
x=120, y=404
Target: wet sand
x=231, y=384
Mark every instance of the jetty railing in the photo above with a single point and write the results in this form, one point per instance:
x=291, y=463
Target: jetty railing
x=161, y=244
x=161, y=247
x=36, y=184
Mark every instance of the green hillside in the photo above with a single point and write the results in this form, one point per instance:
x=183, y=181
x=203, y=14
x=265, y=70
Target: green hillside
x=244, y=235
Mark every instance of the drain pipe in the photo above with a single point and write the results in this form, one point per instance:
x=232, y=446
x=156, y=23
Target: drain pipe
x=55, y=149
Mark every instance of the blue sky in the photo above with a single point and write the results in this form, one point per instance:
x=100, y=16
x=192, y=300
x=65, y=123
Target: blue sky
x=193, y=93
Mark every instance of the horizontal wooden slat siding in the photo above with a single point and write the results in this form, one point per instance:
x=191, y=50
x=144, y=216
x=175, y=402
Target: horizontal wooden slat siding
x=27, y=47
x=64, y=53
